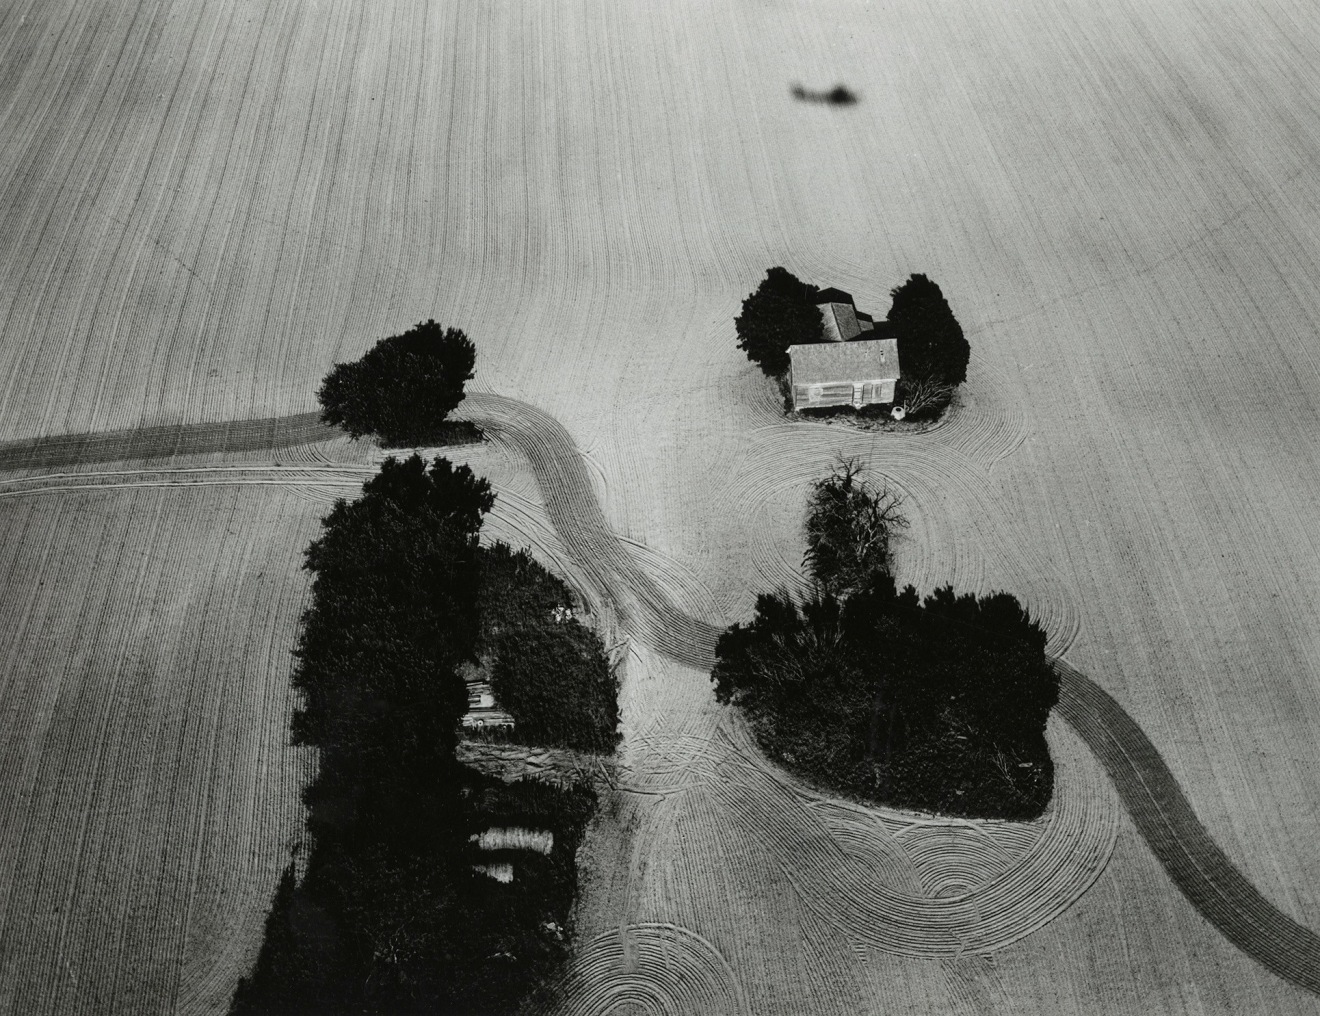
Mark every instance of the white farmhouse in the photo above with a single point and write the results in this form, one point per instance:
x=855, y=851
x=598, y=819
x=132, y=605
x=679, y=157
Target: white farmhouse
x=851, y=367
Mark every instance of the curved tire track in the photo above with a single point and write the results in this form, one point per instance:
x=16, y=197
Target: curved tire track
x=570, y=499
x=1202, y=872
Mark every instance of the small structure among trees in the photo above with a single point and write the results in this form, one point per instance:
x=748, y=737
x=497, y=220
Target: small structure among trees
x=856, y=365
x=840, y=317
x=826, y=353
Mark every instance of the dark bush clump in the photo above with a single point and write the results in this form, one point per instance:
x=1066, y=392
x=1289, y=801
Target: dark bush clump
x=558, y=686
x=849, y=526
x=550, y=672
x=937, y=705
x=781, y=313
x=931, y=346
x=403, y=388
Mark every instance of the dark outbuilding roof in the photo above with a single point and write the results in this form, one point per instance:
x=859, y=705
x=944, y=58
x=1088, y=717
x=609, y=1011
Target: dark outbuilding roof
x=833, y=295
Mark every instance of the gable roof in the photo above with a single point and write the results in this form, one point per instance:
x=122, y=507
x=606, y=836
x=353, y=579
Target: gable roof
x=820, y=363
x=840, y=321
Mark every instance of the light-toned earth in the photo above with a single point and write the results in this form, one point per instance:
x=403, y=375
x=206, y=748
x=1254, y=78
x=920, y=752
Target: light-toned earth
x=204, y=205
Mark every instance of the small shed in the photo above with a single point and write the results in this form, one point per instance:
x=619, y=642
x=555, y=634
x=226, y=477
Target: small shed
x=857, y=373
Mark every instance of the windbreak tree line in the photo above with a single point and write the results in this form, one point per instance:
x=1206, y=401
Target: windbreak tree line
x=937, y=704
x=403, y=388
x=389, y=916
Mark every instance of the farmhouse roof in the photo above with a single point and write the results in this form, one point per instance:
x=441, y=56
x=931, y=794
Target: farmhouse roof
x=821, y=363
x=840, y=321
x=833, y=295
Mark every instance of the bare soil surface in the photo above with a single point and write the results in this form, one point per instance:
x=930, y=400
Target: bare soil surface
x=203, y=205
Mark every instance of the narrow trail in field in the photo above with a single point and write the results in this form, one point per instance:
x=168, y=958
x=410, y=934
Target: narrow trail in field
x=1163, y=816
x=265, y=434
x=1148, y=789
x=333, y=480
x=646, y=611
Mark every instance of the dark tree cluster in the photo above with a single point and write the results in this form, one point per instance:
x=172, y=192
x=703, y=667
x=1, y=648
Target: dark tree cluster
x=389, y=915
x=937, y=704
x=932, y=349
x=403, y=388
x=781, y=313
x=550, y=671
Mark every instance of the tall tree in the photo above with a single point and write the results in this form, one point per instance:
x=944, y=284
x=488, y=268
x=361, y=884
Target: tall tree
x=402, y=388
x=849, y=524
x=781, y=313
x=931, y=344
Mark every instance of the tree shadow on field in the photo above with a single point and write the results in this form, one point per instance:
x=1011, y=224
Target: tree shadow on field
x=839, y=95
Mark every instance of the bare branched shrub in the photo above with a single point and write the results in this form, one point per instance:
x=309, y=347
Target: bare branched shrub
x=849, y=525
x=924, y=395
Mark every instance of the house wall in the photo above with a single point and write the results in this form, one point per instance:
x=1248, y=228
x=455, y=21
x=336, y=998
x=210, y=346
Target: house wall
x=829, y=395
x=840, y=393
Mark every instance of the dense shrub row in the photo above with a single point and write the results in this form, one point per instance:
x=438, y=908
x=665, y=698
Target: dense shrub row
x=389, y=916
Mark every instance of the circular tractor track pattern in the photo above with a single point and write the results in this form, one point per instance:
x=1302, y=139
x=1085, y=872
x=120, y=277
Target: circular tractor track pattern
x=650, y=968
x=947, y=886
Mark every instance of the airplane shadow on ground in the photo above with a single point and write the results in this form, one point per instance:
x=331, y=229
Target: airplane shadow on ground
x=839, y=95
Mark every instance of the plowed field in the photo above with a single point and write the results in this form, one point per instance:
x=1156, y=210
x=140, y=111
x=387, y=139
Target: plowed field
x=149, y=793
x=204, y=203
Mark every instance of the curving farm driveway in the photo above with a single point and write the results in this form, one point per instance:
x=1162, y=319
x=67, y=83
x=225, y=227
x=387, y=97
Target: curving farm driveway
x=1148, y=789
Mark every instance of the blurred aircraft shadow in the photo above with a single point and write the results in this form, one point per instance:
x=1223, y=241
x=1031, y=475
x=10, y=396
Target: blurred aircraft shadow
x=839, y=95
